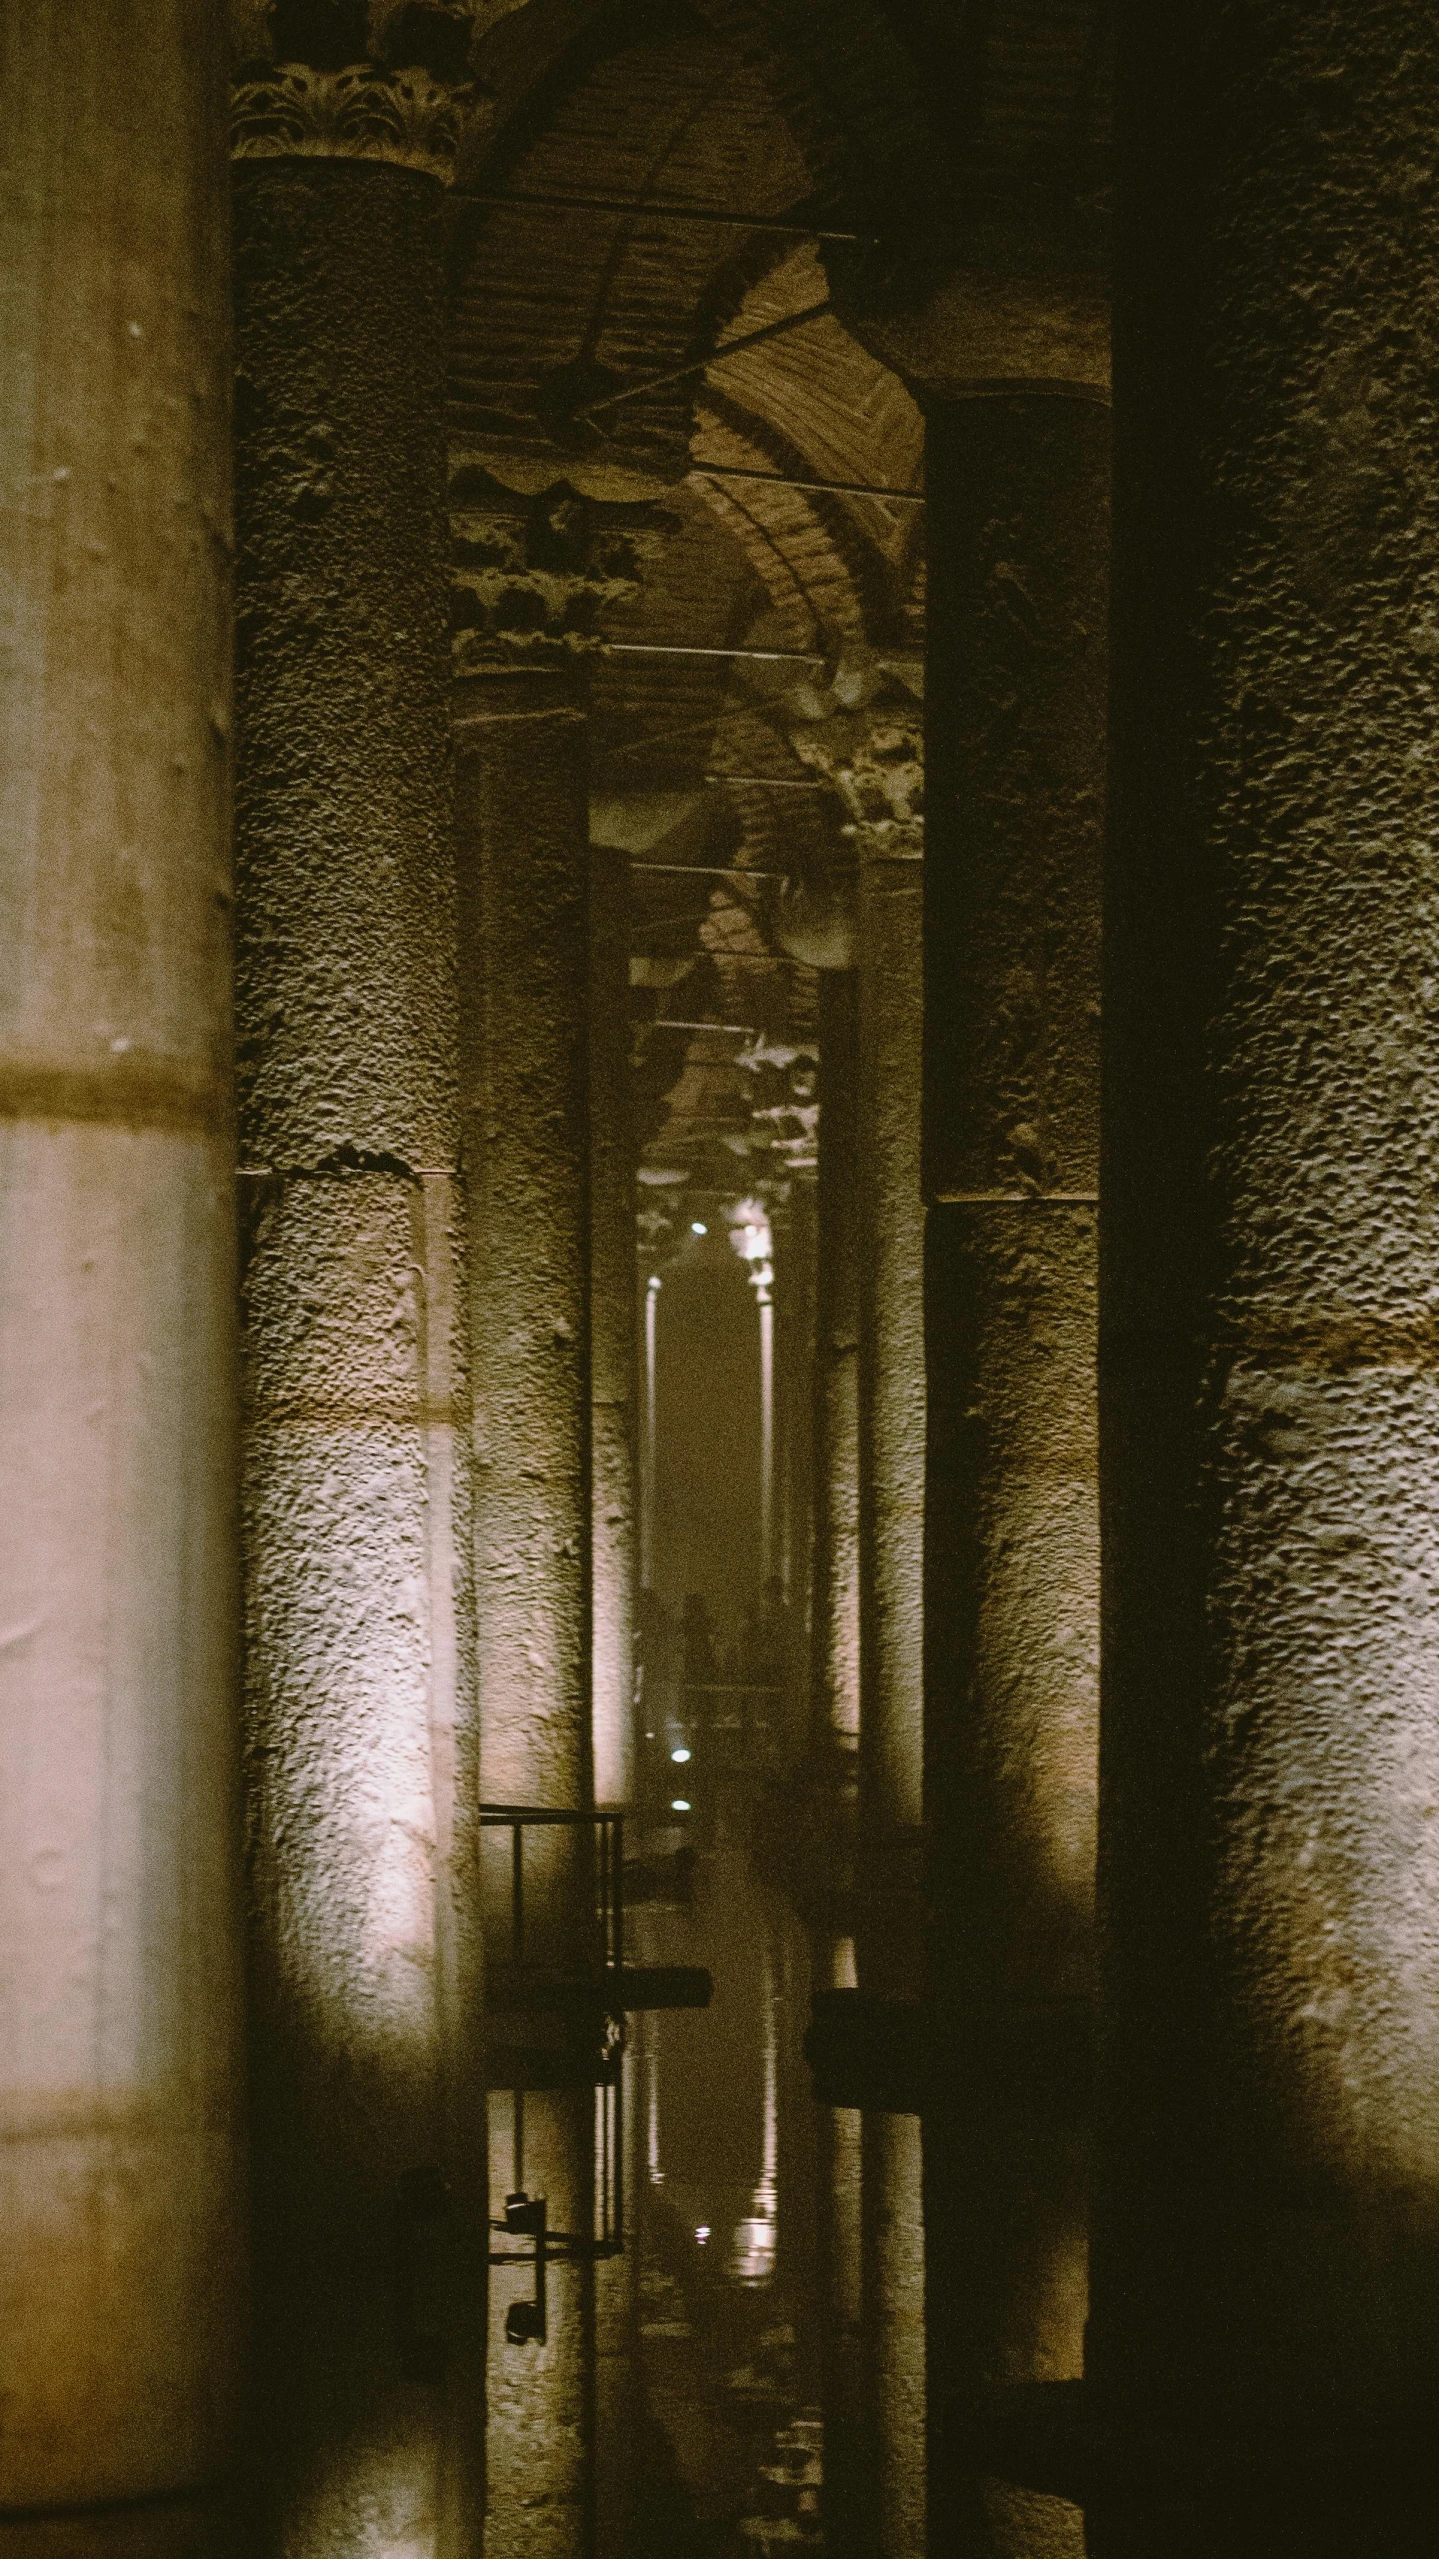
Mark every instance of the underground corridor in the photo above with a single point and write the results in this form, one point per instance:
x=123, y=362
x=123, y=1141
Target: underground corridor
x=719, y=1279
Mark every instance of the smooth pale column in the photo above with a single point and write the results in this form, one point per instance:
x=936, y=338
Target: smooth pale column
x=1267, y=2224
x=1015, y=693
x=121, y=2276
x=525, y=976
x=370, y=2189
x=891, y=1549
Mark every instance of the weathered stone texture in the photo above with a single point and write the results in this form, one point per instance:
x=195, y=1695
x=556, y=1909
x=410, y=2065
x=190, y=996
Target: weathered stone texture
x=370, y=2167
x=835, y=1654
x=891, y=1344
x=525, y=980
x=345, y=881
x=612, y=1328
x=525, y=983
x=121, y=2273
x=1267, y=2239
x=1016, y=684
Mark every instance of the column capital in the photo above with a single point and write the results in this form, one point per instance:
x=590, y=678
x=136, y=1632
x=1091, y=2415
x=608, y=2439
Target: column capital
x=357, y=79
x=862, y=728
x=533, y=575
x=408, y=117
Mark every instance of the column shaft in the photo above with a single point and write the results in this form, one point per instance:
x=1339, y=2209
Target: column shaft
x=370, y=2135
x=1267, y=2226
x=891, y=1750
x=1016, y=705
x=614, y=1417
x=525, y=996
x=794, y=1387
x=120, y=2275
x=835, y=1655
x=613, y=1530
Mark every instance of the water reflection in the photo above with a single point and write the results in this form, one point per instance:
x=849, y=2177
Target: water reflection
x=726, y=2224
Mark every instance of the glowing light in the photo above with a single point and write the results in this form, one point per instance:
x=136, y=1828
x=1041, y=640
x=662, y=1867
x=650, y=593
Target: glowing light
x=679, y=1757
x=679, y=1804
x=702, y=2233
x=697, y=1227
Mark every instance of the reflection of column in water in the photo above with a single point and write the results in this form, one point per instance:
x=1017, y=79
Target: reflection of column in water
x=766, y=1430
x=753, y=2253
x=618, y=2404
x=647, y=1478
x=653, y=2169
x=841, y=2360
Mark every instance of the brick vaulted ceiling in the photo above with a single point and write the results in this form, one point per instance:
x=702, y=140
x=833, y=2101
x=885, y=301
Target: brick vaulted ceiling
x=588, y=344
x=561, y=303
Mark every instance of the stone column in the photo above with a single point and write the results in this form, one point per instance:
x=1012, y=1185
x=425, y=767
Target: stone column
x=1018, y=534
x=369, y=2183
x=613, y=1434
x=1267, y=2217
x=891, y=1492
x=794, y=1356
x=613, y=1391
x=870, y=747
x=834, y=1742
x=120, y=2261
x=525, y=991
x=835, y=1657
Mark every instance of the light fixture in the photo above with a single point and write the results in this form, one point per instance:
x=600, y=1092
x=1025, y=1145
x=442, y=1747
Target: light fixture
x=698, y=1227
x=679, y=1804
x=679, y=1756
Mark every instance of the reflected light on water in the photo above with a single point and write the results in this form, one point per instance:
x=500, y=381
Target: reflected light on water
x=752, y=2250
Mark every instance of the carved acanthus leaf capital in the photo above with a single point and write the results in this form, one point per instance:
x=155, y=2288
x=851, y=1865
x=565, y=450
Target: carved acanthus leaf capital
x=863, y=730
x=405, y=117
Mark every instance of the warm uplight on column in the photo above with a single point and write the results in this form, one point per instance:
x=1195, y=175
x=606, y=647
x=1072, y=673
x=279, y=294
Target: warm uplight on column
x=651, y=1426
x=751, y=1237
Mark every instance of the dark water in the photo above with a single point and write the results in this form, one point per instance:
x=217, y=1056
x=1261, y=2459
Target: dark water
x=725, y=2214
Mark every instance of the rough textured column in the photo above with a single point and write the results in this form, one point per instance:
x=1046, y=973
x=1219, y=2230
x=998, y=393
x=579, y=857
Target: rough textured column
x=369, y=2185
x=613, y=1424
x=1267, y=2222
x=613, y=1420
x=868, y=743
x=835, y=1654
x=834, y=1741
x=121, y=2280
x=795, y=1382
x=525, y=992
x=1016, y=671
x=891, y=1542
x=891, y=1398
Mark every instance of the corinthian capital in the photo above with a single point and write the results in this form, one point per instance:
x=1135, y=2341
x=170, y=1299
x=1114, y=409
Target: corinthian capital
x=863, y=731
x=405, y=117
x=346, y=81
